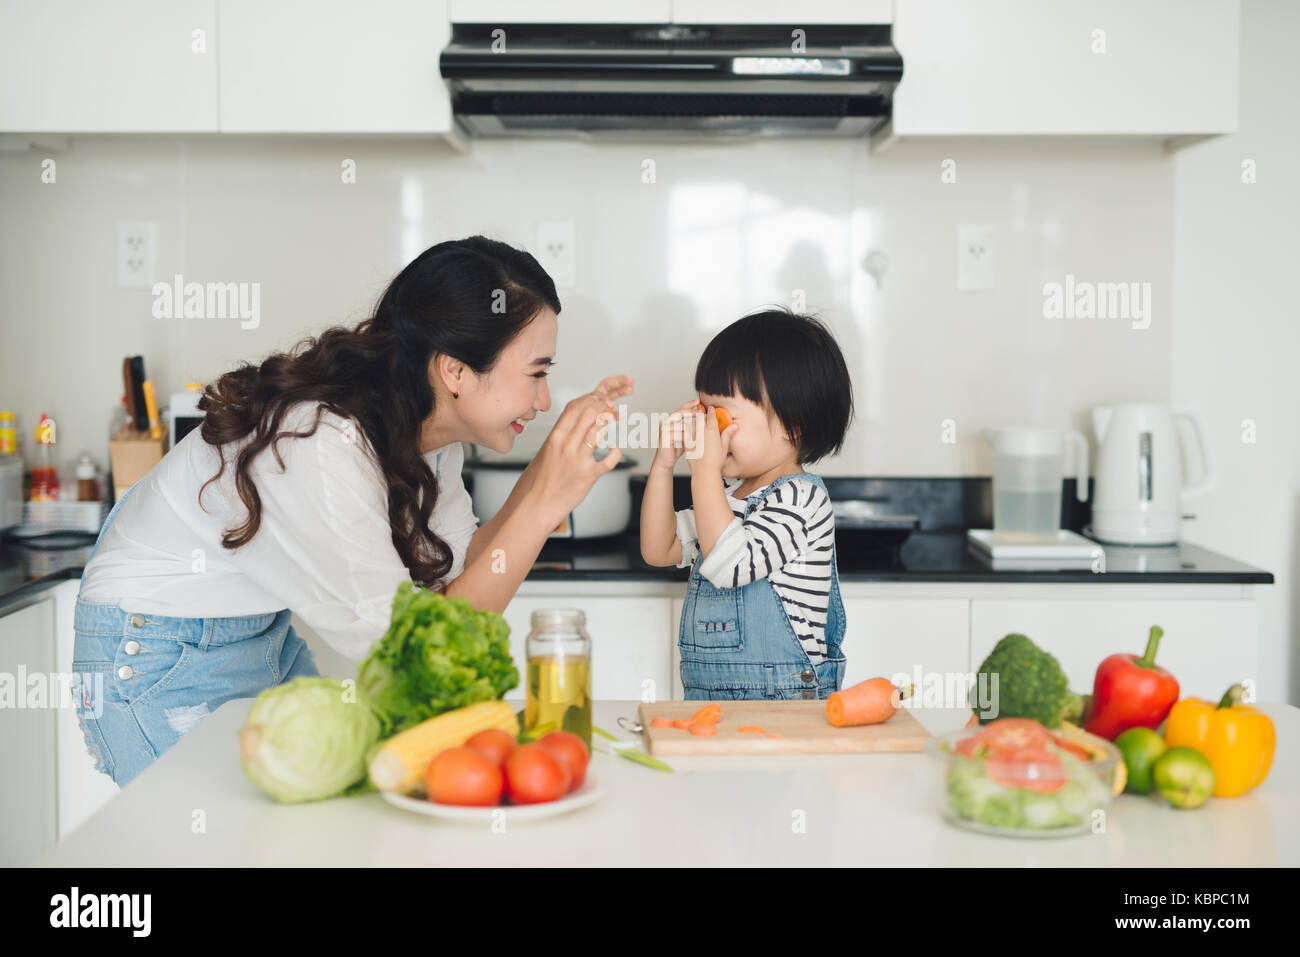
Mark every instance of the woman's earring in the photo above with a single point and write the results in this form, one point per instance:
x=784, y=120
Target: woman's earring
x=455, y=395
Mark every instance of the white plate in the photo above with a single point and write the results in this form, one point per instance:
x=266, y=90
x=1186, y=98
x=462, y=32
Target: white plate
x=590, y=792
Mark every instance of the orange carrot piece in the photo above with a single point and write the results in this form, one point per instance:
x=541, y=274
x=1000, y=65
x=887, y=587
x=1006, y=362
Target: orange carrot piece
x=660, y=723
x=773, y=734
x=869, y=702
x=703, y=728
x=710, y=713
x=724, y=420
x=752, y=729
x=681, y=723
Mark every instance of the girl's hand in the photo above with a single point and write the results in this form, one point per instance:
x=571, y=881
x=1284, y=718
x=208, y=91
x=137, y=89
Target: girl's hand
x=565, y=468
x=672, y=438
x=706, y=446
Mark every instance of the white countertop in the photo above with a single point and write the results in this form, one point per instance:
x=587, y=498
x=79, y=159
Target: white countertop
x=878, y=809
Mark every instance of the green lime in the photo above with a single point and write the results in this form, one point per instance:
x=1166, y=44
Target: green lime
x=1184, y=777
x=1141, y=748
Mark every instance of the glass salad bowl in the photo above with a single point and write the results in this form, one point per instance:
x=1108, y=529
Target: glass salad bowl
x=1015, y=777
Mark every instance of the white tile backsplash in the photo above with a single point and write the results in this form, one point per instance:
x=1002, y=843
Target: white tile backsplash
x=671, y=242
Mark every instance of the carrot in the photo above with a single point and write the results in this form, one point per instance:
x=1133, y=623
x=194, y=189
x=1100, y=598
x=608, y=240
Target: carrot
x=869, y=702
x=660, y=723
x=681, y=723
x=752, y=729
x=709, y=713
x=703, y=728
x=974, y=720
x=773, y=734
x=724, y=420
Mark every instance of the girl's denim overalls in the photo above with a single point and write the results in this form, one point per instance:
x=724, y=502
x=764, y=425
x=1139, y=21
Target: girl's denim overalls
x=159, y=676
x=738, y=642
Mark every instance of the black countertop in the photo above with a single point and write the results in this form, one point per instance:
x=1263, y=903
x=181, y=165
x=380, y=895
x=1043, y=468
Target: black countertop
x=937, y=552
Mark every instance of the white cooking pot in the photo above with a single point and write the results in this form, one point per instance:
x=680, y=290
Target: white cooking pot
x=605, y=511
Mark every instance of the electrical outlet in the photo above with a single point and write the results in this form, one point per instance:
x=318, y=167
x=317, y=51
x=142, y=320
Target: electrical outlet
x=555, y=251
x=974, y=257
x=137, y=253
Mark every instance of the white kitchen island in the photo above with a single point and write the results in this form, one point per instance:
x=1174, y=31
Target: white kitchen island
x=194, y=806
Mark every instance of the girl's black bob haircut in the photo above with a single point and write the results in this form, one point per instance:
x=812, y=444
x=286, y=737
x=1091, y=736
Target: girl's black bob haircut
x=790, y=364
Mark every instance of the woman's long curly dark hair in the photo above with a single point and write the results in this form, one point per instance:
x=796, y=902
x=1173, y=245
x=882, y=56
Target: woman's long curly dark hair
x=466, y=299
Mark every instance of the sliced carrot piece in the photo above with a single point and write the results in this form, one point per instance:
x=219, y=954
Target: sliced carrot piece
x=710, y=713
x=660, y=723
x=681, y=723
x=704, y=728
x=752, y=729
x=773, y=734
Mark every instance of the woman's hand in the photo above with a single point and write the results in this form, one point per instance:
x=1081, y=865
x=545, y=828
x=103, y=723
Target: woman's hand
x=565, y=469
x=672, y=437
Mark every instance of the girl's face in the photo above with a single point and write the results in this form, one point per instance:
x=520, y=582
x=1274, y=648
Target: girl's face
x=498, y=406
x=759, y=443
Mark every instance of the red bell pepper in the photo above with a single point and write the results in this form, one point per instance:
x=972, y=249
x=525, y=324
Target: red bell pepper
x=1131, y=692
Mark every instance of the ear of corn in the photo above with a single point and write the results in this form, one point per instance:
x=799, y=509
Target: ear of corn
x=1100, y=749
x=399, y=764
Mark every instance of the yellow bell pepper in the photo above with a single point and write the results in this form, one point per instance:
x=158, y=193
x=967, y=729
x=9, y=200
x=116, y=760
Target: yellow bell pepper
x=1237, y=739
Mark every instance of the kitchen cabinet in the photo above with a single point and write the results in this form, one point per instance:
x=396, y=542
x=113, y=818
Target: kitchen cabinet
x=939, y=631
x=28, y=801
x=560, y=11
x=671, y=11
x=1208, y=643
x=131, y=66
x=1166, y=68
x=630, y=657
x=333, y=66
x=781, y=11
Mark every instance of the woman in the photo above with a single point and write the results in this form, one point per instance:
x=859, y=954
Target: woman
x=317, y=482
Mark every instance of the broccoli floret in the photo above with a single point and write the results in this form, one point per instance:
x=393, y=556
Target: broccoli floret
x=1030, y=684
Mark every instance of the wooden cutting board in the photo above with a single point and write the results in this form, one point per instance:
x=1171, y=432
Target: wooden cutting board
x=802, y=725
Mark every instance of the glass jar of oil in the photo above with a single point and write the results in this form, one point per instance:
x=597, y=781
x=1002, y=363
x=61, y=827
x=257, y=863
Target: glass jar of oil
x=559, y=673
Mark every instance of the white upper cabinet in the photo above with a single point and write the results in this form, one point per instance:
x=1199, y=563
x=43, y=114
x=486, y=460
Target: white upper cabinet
x=560, y=11
x=672, y=11
x=783, y=11
x=333, y=66
x=130, y=66
x=1155, y=67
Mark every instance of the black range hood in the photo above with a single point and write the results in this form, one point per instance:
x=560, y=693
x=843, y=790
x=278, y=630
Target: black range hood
x=639, y=80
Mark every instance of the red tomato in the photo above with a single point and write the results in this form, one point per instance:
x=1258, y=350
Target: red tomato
x=534, y=776
x=1010, y=734
x=495, y=743
x=464, y=776
x=571, y=751
x=1035, y=769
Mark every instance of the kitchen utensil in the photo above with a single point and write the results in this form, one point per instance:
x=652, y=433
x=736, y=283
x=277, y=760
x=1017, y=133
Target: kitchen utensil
x=588, y=793
x=138, y=406
x=151, y=407
x=802, y=725
x=1027, y=472
x=128, y=387
x=1140, y=494
x=605, y=510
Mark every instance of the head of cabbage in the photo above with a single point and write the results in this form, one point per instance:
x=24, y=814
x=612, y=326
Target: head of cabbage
x=308, y=738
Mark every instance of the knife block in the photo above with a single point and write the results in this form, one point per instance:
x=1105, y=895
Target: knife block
x=131, y=454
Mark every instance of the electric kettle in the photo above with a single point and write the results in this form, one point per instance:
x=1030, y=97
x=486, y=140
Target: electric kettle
x=1139, y=494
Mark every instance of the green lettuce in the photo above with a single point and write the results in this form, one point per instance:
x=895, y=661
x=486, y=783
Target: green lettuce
x=438, y=654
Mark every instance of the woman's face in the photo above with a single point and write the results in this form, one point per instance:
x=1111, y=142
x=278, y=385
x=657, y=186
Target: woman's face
x=498, y=406
x=759, y=443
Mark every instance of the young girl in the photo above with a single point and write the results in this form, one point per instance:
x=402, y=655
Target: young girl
x=763, y=615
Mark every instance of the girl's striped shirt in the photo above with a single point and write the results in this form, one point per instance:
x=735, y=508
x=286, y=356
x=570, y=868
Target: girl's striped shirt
x=788, y=539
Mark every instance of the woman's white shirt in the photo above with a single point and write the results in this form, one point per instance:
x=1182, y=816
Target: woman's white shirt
x=324, y=548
